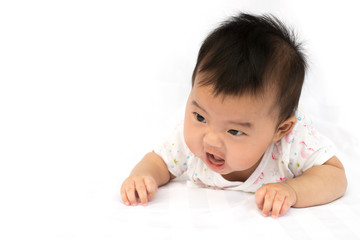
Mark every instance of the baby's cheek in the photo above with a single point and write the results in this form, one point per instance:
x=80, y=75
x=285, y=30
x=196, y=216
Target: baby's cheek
x=241, y=160
x=193, y=143
x=193, y=136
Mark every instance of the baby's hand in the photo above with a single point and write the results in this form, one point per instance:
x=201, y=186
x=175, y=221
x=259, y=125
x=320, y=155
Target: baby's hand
x=275, y=197
x=142, y=187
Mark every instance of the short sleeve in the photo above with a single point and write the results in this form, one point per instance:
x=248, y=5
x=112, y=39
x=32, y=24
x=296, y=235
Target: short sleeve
x=174, y=151
x=308, y=147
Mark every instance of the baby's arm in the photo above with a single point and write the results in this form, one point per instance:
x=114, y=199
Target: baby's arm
x=144, y=180
x=318, y=185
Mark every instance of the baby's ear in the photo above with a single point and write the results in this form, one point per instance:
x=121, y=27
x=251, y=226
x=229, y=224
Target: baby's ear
x=284, y=128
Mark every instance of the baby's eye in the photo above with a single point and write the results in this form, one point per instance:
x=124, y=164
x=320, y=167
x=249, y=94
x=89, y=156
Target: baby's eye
x=200, y=118
x=235, y=132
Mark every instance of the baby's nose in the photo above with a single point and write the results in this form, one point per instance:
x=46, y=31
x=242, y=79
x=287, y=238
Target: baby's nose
x=212, y=139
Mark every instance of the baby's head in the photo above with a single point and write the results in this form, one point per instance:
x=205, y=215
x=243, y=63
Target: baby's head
x=252, y=69
x=253, y=55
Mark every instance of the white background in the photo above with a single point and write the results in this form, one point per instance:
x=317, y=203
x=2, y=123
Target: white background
x=88, y=87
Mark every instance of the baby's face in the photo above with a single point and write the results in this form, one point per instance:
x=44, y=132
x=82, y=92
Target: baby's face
x=230, y=134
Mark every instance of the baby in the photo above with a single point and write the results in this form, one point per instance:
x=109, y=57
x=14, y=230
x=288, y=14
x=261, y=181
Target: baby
x=243, y=129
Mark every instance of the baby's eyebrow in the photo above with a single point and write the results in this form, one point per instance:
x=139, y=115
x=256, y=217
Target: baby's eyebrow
x=197, y=105
x=243, y=124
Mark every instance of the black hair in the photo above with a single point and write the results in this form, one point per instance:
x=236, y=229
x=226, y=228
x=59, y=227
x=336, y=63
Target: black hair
x=251, y=54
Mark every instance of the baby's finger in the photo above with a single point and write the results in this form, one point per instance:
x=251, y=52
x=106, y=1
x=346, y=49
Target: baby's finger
x=268, y=202
x=277, y=205
x=123, y=195
x=130, y=192
x=141, y=191
x=259, y=197
x=151, y=187
x=285, y=207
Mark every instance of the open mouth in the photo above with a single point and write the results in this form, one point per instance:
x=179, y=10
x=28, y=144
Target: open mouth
x=215, y=162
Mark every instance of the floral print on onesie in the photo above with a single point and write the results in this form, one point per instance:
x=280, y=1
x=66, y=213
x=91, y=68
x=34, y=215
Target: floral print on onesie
x=296, y=152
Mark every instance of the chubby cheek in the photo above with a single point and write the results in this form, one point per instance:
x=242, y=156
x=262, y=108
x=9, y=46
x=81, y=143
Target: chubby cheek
x=193, y=139
x=242, y=158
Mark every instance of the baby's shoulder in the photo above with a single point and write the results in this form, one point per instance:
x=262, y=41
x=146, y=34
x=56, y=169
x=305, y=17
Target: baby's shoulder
x=304, y=139
x=303, y=129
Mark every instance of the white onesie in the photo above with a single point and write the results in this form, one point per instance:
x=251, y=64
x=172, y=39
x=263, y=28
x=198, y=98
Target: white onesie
x=298, y=151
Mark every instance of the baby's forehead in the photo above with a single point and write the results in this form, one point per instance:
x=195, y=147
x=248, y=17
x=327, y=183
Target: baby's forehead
x=264, y=93
x=261, y=95
x=263, y=102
